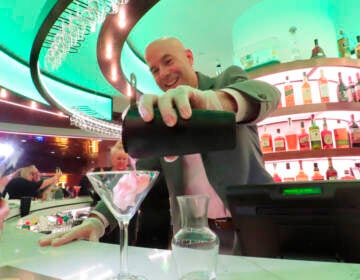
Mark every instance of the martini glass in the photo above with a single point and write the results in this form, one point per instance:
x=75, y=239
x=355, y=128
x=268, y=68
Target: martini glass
x=123, y=192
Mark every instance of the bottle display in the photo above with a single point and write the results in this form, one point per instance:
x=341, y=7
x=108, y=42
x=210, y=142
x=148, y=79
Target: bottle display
x=329, y=80
x=289, y=93
x=317, y=175
x=266, y=141
x=291, y=137
x=304, y=139
x=331, y=173
x=315, y=136
x=323, y=87
x=306, y=90
x=357, y=47
x=354, y=132
x=326, y=136
x=343, y=45
x=341, y=136
x=301, y=176
x=279, y=142
x=341, y=90
x=317, y=51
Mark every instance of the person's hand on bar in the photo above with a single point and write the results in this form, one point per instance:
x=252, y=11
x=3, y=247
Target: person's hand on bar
x=90, y=229
x=4, y=211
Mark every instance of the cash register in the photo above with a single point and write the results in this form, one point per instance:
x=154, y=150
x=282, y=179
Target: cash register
x=318, y=220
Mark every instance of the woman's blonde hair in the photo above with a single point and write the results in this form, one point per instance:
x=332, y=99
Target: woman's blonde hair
x=118, y=146
x=27, y=170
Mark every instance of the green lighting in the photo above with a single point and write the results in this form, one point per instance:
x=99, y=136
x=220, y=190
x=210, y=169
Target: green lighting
x=302, y=191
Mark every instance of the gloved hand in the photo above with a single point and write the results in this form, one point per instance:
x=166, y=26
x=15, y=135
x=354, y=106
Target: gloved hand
x=183, y=98
x=91, y=229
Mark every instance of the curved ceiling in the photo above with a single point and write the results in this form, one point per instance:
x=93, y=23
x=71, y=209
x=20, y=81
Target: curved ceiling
x=207, y=27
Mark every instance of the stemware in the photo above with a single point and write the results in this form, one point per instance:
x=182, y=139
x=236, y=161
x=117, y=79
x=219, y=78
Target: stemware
x=123, y=192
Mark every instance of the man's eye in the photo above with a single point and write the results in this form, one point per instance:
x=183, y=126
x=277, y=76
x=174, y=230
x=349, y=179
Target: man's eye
x=168, y=61
x=154, y=71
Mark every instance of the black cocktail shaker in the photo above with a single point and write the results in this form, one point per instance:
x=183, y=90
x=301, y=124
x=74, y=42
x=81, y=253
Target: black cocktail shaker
x=205, y=131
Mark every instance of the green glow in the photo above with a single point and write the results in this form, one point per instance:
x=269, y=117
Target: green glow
x=17, y=79
x=302, y=191
x=132, y=64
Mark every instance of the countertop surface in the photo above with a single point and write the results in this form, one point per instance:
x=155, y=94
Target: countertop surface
x=92, y=260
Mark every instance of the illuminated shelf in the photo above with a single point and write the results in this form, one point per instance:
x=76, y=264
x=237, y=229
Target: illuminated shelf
x=275, y=74
x=304, y=64
x=293, y=155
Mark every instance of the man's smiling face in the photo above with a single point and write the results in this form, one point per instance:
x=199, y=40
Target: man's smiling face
x=170, y=64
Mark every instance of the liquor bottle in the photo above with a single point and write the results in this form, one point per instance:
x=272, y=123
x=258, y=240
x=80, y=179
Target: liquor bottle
x=347, y=175
x=352, y=92
x=266, y=141
x=343, y=45
x=326, y=136
x=341, y=136
x=301, y=176
x=289, y=93
x=354, y=132
x=279, y=142
x=315, y=136
x=331, y=173
x=289, y=173
x=341, y=90
x=357, y=47
x=323, y=88
x=291, y=137
x=306, y=90
x=317, y=51
x=275, y=175
x=317, y=175
x=304, y=139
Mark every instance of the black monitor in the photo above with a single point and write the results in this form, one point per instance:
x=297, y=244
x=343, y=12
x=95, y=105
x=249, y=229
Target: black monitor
x=302, y=220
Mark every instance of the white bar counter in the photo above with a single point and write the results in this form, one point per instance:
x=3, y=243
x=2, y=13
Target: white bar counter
x=82, y=260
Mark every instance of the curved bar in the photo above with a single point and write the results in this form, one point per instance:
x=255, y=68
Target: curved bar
x=49, y=21
x=113, y=37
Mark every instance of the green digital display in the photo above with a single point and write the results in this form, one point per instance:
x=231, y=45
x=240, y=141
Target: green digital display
x=302, y=191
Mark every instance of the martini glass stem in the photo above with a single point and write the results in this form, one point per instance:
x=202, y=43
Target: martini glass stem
x=123, y=225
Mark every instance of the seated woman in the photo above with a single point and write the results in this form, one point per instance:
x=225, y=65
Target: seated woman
x=28, y=183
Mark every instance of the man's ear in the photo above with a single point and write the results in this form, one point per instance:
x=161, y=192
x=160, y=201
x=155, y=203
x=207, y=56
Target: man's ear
x=189, y=56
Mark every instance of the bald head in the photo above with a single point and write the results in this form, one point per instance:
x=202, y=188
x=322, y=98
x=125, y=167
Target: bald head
x=170, y=63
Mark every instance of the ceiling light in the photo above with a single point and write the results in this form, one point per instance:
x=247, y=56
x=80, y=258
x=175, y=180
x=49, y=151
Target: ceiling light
x=3, y=93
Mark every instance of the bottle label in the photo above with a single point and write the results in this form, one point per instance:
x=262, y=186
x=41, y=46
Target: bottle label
x=289, y=97
x=307, y=95
x=324, y=90
x=355, y=136
x=304, y=142
x=279, y=145
x=341, y=137
x=265, y=142
x=315, y=135
x=327, y=138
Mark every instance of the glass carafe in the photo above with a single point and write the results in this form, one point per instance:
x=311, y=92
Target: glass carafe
x=195, y=246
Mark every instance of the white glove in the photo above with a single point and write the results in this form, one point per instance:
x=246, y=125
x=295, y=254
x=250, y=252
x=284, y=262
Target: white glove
x=90, y=229
x=184, y=98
